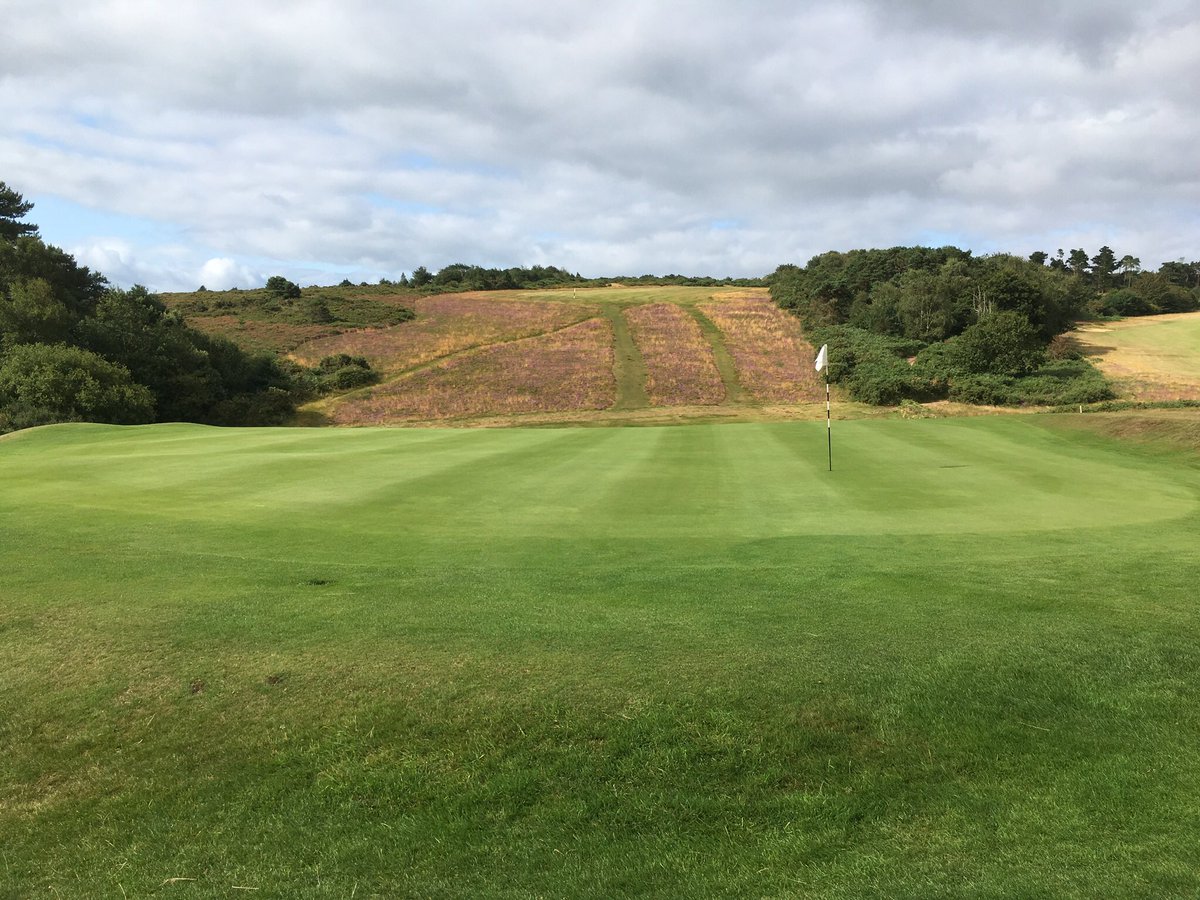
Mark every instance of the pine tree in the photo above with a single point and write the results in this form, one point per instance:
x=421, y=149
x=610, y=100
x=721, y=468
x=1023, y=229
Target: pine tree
x=13, y=207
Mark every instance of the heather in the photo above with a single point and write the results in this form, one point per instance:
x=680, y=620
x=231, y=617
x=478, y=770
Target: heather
x=445, y=325
x=679, y=362
x=571, y=368
x=774, y=362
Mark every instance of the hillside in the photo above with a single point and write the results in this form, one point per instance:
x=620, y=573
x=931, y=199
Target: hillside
x=643, y=353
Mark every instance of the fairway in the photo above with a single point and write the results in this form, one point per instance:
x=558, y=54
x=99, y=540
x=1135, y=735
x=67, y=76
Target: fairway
x=681, y=661
x=1149, y=357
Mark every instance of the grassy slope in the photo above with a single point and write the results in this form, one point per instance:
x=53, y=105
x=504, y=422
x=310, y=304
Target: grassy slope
x=607, y=303
x=1149, y=357
x=681, y=661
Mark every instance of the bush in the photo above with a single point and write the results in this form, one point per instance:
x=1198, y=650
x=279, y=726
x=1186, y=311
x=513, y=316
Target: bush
x=1125, y=302
x=1004, y=343
x=987, y=390
x=937, y=364
x=317, y=312
x=1055, y=384
x=277, y=284
x=885, y=382
x=343, y=372
x=1062, y=382
x=41, y=384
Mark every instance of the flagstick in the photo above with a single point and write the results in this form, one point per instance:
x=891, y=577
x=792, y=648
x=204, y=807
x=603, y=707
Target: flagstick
x=828, y=424
x=822, y=365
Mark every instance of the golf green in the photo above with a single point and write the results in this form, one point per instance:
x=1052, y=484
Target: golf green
x=684, y=661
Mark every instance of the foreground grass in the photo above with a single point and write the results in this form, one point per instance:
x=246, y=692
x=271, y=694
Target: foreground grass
x=670, y=661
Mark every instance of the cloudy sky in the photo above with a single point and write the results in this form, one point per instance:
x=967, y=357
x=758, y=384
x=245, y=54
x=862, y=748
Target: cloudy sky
x=218, y=142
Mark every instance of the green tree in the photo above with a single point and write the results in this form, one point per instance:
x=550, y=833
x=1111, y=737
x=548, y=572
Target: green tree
x=1129, y=266
x=45, y=383
x=288, y=290
x=13, y=208
x=1104, y=265
x=929, y=303
x=1005, y=343
x=31, y=313
x=1184, y=274
x=1077, y=263
x=28, y=258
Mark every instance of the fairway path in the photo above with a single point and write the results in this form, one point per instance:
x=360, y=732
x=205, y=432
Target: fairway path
x=733, y=388
x=629, y=368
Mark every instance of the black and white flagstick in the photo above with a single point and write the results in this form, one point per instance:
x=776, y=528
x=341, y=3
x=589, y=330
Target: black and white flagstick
x=822, y=364
x=828, y=423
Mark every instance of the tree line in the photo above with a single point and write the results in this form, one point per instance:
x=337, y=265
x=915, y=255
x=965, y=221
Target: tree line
x=74, y=348
x=462, y=277
x=922, y=323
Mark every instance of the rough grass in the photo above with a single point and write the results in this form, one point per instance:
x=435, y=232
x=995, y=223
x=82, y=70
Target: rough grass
x=772, y=358
x=445, y=325
x=568, y=369
x=261, y=321
x=680, y=662
x=679, y=361
x=1148, y=357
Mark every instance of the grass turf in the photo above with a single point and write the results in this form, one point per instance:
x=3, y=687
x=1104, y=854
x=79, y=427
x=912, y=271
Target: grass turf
x=1150, y=357
x=674, y=661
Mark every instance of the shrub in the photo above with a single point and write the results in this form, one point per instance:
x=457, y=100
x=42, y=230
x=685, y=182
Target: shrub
x=988, y=390
x=277, y=284
x=343, y=372
x=937, y=363
x=41, y=384
x=1125, y=302
x=1004, y=343
x=1058, y=383
x=317, y=312
x=1063, y=346
x=1062, y=382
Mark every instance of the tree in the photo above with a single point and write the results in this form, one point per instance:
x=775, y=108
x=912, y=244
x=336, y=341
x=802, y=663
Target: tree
x=73, y=285
x=1077, y=263
x=1104, y=264
x=1002, y=344
x=1129, y=266
x=32, y=314
x=1039, y=257
x=421, y=277
x=14, y=207
x=45, y=383
x=288, y=290
x=1184, y=274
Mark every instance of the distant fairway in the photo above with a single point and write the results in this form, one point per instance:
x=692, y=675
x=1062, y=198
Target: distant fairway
x=668, y=661
x=1148, y=357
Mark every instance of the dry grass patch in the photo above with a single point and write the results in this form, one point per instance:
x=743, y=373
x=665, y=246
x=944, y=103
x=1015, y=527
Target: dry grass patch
x=569, y=369
x=680, y=369
x=444, y=325
x=1148, y=357
x=773, y=360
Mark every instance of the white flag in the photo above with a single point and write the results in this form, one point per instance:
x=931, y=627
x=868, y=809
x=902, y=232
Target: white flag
x=823, y=357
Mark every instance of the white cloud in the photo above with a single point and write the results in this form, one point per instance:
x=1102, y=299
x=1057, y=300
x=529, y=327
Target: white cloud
x=220, y=274
x=361, y=137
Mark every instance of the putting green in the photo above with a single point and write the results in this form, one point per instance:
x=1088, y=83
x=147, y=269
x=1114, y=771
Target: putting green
x=385, y=494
